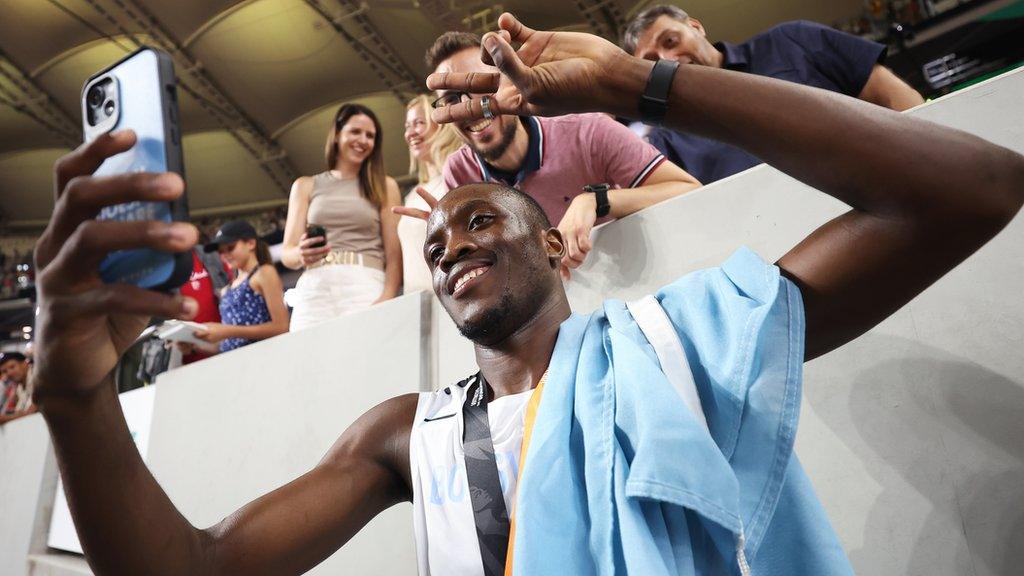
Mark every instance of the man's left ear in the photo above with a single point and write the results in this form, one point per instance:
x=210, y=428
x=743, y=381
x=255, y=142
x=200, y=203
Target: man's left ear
x=555, y=246
x=696, y=25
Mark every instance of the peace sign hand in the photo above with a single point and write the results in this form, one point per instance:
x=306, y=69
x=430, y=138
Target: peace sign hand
x=416, y=212
x=552, y=73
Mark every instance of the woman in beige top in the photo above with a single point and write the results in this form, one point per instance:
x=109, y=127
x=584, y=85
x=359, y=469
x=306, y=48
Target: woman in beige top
x=429, y=147
x=358, y=261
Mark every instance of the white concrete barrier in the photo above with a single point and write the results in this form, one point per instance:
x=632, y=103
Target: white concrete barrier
x=911, y=434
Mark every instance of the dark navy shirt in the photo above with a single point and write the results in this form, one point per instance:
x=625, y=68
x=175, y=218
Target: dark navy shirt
x=803, y=52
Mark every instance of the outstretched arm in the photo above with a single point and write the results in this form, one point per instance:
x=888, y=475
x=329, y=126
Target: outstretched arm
x=923, y=197
x=125, y=521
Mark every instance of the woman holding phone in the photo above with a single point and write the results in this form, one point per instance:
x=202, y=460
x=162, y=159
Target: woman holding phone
x=340, y=227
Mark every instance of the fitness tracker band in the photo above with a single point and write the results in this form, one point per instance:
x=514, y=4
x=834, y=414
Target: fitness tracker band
x=654, y=100
x=601, y=196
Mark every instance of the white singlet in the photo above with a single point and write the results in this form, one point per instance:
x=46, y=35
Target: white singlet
x=446, y=541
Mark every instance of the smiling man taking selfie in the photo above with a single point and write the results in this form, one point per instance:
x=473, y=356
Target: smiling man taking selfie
x=638, y=459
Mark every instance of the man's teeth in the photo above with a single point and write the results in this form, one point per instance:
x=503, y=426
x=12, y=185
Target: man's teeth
x=479, y=126
x=469, y=276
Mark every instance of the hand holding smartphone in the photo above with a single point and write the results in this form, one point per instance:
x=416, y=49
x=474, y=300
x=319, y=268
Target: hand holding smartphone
x=138, y=93
x=314, y=230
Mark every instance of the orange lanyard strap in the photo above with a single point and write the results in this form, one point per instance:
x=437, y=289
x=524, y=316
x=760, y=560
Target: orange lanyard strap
x=531, y=416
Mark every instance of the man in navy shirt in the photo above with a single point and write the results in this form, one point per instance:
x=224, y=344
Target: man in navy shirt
x=802, y=52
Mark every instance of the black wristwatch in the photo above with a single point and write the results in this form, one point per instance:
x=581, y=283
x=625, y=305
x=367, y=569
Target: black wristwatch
x=601, y=195
x=654, y=101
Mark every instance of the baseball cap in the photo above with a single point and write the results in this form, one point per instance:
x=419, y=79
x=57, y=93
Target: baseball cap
x=230, y=232
x=5, y=356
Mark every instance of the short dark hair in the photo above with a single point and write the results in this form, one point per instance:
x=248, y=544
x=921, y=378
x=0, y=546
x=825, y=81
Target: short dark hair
x=535, y=213
x=447, y=44
x=643, y=21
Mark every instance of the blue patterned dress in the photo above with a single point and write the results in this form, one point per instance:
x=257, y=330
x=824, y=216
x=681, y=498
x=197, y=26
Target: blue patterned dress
x=242, y=306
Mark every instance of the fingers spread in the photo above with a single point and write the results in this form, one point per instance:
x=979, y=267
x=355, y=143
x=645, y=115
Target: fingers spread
x=519, y=31
x=472, y=82
x=81, y=255
x=468, y=110
x=88, y=157
x=427, y=197
x=505, y=58
x=411, y=212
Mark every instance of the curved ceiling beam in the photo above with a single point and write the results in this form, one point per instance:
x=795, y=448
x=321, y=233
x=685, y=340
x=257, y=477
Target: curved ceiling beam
x=214, y=21
x=443, y=14
x=370, y=45
x=25, y=96
x=332, y=104
x=603, y=16
x=124, y=42
x=194, y=79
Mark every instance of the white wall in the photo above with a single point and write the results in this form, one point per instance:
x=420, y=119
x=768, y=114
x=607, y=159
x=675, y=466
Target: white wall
x=229, y=429
x=913, y=434
x=232, y=428
x=24, y=451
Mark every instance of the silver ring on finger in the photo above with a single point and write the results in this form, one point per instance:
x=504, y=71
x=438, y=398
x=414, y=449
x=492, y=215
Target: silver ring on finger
x=485, y=105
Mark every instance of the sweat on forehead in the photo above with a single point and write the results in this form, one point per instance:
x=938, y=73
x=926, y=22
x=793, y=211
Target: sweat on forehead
x=499, y=194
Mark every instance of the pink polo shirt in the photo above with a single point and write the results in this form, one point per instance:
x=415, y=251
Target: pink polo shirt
x=565, y=153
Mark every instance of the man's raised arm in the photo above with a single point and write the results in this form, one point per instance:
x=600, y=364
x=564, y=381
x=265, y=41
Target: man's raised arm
x=923, y=197
x=125, y=521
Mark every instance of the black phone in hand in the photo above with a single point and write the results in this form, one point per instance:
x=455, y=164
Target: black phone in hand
x=317, y=230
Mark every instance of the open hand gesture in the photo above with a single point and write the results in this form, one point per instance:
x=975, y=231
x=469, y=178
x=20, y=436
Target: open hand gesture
x=552, y=73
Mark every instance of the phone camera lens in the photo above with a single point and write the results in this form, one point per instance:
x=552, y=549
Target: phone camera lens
x=109, y=108
x=96, y=96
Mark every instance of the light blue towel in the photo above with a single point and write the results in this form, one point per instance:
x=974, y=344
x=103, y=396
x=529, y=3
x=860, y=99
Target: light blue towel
x=620, y=478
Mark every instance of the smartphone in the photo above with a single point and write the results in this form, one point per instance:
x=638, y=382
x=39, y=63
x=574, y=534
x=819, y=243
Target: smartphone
x=316, y=230
x=138, y=92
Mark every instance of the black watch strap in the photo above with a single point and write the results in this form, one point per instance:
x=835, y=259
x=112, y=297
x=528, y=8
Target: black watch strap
x=654, y=100
x=601, y=196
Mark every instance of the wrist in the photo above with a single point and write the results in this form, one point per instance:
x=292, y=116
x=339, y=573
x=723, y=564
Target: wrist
x=597, y=199
x=625, y=83
x=57, y=403
x=587, y=201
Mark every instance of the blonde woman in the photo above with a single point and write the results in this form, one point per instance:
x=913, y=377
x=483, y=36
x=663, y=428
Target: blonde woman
x=429, y=147
x=357, y=261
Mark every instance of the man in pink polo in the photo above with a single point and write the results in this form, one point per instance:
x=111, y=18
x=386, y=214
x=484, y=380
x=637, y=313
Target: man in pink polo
x=553, y=159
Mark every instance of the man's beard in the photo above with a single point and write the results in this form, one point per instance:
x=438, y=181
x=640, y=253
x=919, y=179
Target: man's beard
x=483, y=330
x=508, y=133
x=514, y=310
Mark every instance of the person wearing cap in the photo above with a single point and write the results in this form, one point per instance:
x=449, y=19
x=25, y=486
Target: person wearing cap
x=16, y=394
x=252, y=306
